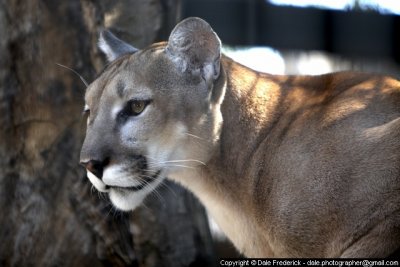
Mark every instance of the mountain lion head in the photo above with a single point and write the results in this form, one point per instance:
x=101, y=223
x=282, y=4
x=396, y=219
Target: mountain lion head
x=152, y=113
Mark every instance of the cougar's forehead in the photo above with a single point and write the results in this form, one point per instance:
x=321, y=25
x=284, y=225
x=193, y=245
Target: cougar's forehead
x=127, y=72
x=112, y=80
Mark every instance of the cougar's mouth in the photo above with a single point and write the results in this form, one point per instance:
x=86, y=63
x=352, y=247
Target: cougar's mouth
x=145, y=181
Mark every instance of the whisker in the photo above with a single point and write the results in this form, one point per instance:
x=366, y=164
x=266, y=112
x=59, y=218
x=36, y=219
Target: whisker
x=144, y=206
x=159, y=196
x=194, y=136
x=165, y=184
x=111, y=208
x=184, y=160
x=68, y=68
x=142, y=176
x=182, y=166
x=150, y=172
x=154, y=164
x=117, y=213
x=102, y=195
x=154, y=159
x=167, y=164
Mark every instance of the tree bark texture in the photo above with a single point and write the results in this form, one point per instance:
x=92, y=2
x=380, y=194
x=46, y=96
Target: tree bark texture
x=50, y=216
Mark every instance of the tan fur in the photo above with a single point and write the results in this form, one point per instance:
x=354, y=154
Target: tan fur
x=312, y=162
x=289, y=166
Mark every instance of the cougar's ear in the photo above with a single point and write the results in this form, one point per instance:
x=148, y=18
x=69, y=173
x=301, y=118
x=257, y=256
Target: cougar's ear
x=194, y=47
x=113, y=47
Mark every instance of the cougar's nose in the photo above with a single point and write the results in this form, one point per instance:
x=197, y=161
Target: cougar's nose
x=95, y=166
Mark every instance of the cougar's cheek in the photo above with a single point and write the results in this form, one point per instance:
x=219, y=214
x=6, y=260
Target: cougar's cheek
x=165, y=147
x=97, y=183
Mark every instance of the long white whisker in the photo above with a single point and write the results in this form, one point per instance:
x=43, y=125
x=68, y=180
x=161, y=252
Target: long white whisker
x=75, y=72
x=164, y=183
x=178, y=165
x=141, y=176
x=194, y=136
x=145, y=206
x=150, y=171
x=101, y=195
x=172, y=161
x=116, y=213
x=184, y=160
x=159, y=196
x=111, y=208
x=147, y=156
x=167, y=164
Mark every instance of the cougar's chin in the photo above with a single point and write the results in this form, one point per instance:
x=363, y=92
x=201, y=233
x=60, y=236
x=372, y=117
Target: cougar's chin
x=127, y=199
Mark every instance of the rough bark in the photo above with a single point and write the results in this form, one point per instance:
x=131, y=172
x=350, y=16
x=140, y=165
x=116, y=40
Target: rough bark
x=50, y=215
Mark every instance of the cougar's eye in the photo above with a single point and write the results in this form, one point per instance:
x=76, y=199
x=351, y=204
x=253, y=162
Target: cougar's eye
x=137, y=106
x=134, y=107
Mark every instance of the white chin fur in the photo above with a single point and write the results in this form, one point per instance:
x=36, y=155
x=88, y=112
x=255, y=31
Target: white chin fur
x=125, y=200
x=129, y=200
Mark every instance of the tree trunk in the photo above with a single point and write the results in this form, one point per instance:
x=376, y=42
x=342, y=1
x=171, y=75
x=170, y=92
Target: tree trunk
x=50, y=215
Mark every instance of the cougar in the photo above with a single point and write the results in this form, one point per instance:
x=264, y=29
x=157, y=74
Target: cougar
x=288, y=166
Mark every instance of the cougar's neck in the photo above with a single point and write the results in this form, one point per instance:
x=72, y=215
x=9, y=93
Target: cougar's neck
x=225, y=185
x=249, y=111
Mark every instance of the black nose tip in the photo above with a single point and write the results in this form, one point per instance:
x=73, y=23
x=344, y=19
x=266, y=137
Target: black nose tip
x=95, y=166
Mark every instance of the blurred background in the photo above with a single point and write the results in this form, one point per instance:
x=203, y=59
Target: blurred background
x=50, y=215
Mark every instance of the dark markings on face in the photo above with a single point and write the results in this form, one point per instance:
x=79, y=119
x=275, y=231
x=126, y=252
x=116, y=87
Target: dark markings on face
x=140, y=165
x=120, y=88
